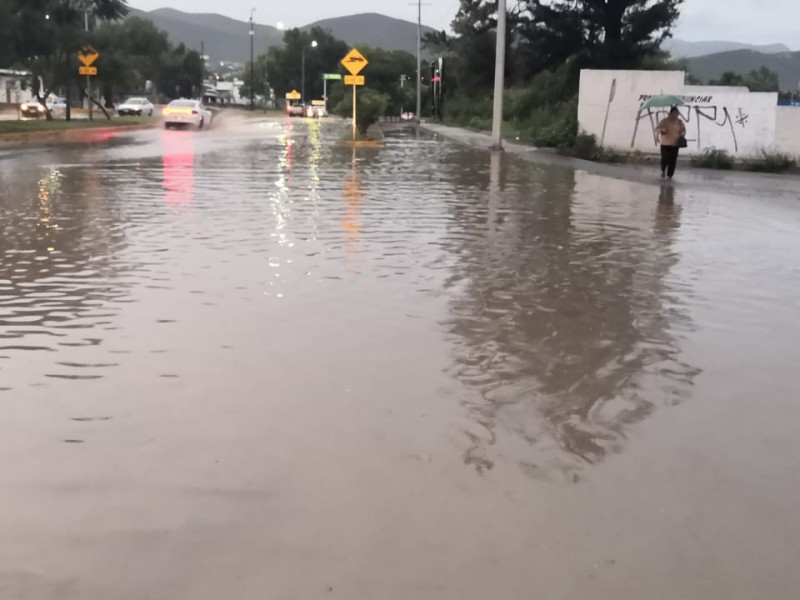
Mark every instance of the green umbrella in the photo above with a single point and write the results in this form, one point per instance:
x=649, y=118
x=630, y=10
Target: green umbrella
x=663, y=101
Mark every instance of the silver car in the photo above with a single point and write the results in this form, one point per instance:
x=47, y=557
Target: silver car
x=136, y=107
x=189, y=113
x=33, y=108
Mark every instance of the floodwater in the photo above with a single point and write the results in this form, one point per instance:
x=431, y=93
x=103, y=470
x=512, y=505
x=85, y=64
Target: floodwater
x=256, y=363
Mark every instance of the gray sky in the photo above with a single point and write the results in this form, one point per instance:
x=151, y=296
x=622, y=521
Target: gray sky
x=753, y=21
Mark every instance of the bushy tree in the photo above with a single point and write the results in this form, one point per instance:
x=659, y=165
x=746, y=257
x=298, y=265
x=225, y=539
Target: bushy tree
x=371, y=105
x=595, y=33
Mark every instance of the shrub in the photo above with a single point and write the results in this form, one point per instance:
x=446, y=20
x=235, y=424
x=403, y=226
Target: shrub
x=769, y=161
x=371, y=106
x=713, y=158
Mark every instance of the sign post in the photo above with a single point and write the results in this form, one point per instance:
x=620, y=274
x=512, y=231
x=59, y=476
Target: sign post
x=354, y=62
x=87, y=55
x=325, y=78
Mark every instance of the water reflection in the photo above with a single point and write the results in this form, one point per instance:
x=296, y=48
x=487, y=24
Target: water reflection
x=178, y=160
x=56, y=242
x=565, y=330
x=351, y=219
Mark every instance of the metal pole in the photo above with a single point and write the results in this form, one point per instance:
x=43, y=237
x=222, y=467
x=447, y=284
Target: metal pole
x=325, y=92
x=88, y=77
x=252, y=81
x=499, y=77
x=303, y=78
x=354, y=113
x=419, y=61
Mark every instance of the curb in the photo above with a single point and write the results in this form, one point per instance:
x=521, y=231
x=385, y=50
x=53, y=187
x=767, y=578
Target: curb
x=71, y=134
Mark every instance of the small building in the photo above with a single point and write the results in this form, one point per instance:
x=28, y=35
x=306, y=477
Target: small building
x=14, y=87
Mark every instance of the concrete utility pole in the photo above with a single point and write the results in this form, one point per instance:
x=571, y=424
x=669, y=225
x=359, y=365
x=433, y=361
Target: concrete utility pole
x=419, y=61
x=499, y=77
x=252, y=81
x=419, y=3
x=88, y=78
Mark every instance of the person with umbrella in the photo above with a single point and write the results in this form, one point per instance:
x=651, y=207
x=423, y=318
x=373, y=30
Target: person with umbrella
x=671, y=134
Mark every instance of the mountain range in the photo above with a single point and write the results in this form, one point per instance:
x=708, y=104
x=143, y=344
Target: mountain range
x=684, y=49
x=741, y=62
x=226, y=39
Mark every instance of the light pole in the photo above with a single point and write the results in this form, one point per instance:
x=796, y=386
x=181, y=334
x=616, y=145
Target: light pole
x=499, y=77
x=303, y=73
x=252, y=82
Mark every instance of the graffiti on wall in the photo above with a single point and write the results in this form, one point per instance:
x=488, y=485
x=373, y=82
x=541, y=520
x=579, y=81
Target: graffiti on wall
x=699, y=111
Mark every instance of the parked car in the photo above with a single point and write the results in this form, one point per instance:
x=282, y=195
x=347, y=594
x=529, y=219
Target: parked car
x=33, y=108
x=136, y=106
x=185, y=112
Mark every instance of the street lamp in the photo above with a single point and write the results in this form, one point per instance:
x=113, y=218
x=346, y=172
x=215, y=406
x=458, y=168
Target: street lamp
x=252, y=35
x=303, y=75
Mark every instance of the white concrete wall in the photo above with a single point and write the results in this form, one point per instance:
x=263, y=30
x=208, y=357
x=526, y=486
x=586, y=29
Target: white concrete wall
x=730, y=118
x=11, y=89
x=787, y=129
x=629, y=86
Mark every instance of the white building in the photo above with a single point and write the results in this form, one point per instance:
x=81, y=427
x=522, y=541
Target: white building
x=730, y=118
x=14, y=86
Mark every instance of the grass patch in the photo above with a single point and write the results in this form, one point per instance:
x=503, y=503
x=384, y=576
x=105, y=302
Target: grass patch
x=770, y=161
x=713, y=158
x=765, y=161
x=585, y=146
x=43, y=125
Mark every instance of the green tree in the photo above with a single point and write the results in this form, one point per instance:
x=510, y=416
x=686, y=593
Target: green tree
x=596, y=33
x=371, y=105
x=281, y=67
x=47, y=34
x=761, y=80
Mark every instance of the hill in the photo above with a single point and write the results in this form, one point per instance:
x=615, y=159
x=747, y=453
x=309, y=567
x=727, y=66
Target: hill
x=786, y=65
x=373, y=29
x=225, y=39
x=683, y=49
x=228, y=40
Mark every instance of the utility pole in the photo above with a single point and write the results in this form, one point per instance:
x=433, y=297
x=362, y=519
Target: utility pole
x=203, y=74
x=418, y=4
x=499, y=77
x=252, y=81
x=88, y=77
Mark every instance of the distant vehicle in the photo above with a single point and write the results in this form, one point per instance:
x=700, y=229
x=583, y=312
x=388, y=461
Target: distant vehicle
x=407, y=116
x=311, y=112
x=136, y=106
x=295, y=109
x=183, y=112
x=320, y=108
x=33, y=109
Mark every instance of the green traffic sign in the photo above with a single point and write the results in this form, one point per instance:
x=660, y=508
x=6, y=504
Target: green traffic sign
x=335, y=76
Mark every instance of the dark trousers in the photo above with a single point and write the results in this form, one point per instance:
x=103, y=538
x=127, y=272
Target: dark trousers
x=669, y=159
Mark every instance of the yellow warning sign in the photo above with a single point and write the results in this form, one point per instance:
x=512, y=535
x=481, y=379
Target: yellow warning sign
x=88, y=55
x=354, y=62
x=354, y=80
x=87, y=70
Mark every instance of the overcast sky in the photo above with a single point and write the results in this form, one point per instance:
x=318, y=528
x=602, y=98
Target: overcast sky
x=753, y=21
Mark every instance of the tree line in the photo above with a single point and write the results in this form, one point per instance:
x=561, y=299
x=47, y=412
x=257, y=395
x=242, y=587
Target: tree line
x=548, y=43
x=45, y=36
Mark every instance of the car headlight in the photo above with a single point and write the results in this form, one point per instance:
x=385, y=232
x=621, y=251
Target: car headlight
x=40, y=108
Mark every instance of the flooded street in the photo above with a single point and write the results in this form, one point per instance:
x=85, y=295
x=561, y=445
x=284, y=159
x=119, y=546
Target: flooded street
x=254, y=362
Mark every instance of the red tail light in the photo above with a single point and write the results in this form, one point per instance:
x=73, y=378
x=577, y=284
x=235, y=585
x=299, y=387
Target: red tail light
x=194, y=112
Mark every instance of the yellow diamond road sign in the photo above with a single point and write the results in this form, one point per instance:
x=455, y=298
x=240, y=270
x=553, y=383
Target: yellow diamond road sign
x=354, y=62
x=87, y=70
x=88, y=55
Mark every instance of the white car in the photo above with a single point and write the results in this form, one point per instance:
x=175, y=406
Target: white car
x=33, y=109
x=186, y=112
x=136, y=106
